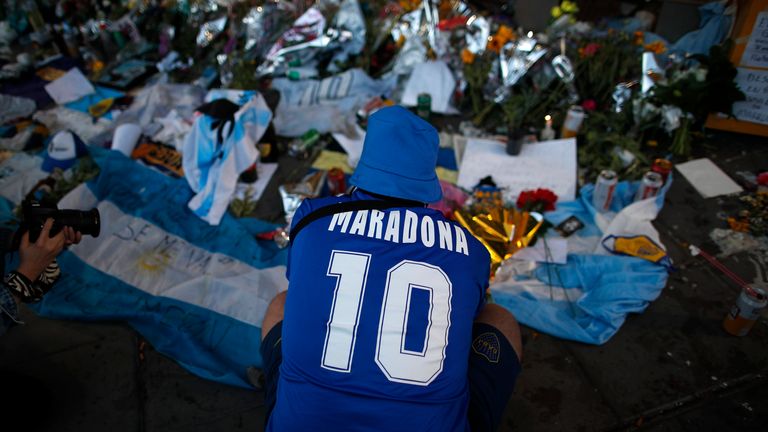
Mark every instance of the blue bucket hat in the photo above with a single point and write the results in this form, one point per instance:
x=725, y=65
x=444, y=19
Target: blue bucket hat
x=399, y=157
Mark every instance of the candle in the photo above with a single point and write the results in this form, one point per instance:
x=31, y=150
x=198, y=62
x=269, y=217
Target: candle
x=547, y=133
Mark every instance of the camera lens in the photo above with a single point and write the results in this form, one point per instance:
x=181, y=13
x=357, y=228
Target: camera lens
x=87, y=222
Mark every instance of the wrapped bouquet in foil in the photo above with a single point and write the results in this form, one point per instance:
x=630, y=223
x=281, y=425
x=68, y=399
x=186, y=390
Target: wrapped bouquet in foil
x=503, y=231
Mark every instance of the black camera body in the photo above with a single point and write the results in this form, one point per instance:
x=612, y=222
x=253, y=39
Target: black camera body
x=87, y=222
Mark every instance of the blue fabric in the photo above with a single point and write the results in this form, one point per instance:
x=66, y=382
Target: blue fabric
x=588, y=298
x=611, y=287
x=399, y=156
x=370, y=394
x=99, y=95
x=713, y=29
x=207, y=343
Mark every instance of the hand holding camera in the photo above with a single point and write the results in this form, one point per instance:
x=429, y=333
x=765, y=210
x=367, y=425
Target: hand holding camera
x=35, y=256
x=46, y=230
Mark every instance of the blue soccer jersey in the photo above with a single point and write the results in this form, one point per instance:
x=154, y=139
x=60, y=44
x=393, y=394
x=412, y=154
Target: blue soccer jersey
x=378, y=321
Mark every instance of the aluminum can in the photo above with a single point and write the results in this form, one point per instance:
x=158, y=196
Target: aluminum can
x=572, y=123
x=663, y=167
x=649, y=186
x=424, y=105
x=605, y=186
x=745, y=311
x=336, y=183
x=302, y=147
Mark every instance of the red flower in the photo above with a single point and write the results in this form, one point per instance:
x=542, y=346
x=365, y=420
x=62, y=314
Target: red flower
x=762, y=178
x=589, y=105
x=591, y=49
x=537, y=200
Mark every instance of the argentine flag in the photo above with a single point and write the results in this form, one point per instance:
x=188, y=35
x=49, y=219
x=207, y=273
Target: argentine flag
x=196, y=292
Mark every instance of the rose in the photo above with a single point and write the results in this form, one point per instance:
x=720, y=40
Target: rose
x=539, y=200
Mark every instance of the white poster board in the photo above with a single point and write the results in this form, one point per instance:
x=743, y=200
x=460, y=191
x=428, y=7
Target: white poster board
x=547, y=164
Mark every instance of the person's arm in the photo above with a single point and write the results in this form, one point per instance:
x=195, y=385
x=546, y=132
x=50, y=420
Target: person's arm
x=36, y=262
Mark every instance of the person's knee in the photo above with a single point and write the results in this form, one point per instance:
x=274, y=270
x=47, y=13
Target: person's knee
x=503, y=320
x=275, y=313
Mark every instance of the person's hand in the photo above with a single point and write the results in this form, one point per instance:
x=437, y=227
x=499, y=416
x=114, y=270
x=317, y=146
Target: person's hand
x=71, y=236
x=35, y=257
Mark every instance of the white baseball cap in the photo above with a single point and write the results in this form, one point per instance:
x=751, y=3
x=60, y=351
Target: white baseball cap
x=63, y=150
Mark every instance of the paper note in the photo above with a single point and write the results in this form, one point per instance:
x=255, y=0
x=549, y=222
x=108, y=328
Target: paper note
x=69, y=87
x=547, y=164
x=707, y=178
x=754, y=84
x=756, y=52
x=353, y=145
x=328, y=159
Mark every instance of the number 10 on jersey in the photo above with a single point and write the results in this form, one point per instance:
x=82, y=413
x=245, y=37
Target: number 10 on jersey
x=396, y=362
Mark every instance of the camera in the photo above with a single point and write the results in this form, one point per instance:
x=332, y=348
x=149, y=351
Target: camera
x=87, y=222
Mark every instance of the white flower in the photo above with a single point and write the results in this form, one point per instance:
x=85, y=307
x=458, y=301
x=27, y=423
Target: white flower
x=670, y=117
x=701, y=74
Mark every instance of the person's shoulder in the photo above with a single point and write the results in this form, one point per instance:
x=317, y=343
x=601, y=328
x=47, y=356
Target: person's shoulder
x=309, y=205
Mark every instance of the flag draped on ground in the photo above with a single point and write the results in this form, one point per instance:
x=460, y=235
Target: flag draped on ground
x=196, y=292
x=588, y=298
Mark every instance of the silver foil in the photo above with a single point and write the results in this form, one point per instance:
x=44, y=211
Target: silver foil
x=564, y=69
x=515, y=59
x=350, y=18
x=650, y=68
x=622, y=94
x=210, y=30
x=478, y=32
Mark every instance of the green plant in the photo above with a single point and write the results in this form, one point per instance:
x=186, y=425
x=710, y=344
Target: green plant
x=243, y=207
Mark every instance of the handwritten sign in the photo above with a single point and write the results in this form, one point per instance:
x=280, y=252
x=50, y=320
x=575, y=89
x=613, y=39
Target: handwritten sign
x=754, y=84
x=548, y=164
x=756, y=52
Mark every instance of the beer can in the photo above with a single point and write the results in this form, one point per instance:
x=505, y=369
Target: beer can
x=605, y=186
x=744, y=313
x=573, y=120
x=424, y=105
x=649, y=186
x=302, y=147
x=663, y=167
x=336, y=181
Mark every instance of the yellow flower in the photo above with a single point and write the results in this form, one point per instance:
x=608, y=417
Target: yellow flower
x=494, y=44
x=410, y=5
x=467, y=56
x=505, y=34
x=569, y=7
x=556, y=12
x=657, y=47
x=639, y=37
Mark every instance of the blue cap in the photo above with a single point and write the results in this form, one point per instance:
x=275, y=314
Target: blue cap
x=63, y=150
x=399, y=157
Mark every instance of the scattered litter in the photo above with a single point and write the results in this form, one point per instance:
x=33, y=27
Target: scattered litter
x=731, y=242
